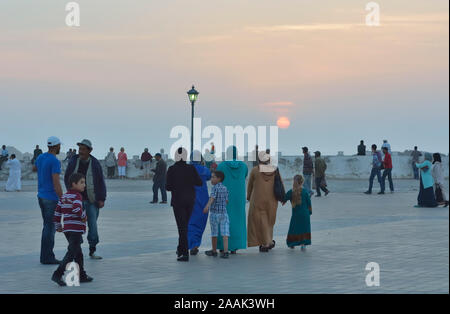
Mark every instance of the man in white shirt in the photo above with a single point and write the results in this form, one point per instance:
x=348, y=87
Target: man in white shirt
x=387, y=145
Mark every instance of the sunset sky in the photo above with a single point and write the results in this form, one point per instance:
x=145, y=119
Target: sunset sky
x=121, y=78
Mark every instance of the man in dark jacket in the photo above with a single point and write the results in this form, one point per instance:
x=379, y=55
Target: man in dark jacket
x=308, y=170
x=159, y=180
x=94, y=195
x=361, y=149
x=320, y=166
x=181, y=181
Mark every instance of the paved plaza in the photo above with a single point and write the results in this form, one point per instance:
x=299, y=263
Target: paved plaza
x=138, y=242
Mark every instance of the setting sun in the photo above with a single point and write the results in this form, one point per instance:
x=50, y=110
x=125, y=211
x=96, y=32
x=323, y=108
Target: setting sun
x=283, y=122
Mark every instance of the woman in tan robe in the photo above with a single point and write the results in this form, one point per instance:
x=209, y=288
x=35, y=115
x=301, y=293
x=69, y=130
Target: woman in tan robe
x=263, y=205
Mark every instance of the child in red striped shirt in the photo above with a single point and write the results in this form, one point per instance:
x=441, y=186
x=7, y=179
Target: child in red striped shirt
x=70, y=208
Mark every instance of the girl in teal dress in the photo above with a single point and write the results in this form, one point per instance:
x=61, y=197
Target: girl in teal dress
x=300, y=227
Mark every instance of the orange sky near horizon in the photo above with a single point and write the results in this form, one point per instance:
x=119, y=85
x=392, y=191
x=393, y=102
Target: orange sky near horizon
x=261, y=60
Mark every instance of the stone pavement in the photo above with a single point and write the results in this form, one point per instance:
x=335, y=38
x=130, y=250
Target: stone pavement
x=138, y=243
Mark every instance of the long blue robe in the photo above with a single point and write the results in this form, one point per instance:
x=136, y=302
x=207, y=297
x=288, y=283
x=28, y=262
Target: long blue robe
x=198, y=220
x=235, y=174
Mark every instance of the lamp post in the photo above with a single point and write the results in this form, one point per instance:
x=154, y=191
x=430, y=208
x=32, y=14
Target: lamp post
x=193, y=95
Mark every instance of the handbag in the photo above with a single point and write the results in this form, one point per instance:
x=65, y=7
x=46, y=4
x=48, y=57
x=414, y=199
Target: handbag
x=278, y=187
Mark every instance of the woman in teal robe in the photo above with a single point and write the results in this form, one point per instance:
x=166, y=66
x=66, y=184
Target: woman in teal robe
x=300, y=226
x=235, y=174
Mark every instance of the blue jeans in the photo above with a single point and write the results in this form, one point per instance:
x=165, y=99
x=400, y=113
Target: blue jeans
x=159, y=186
x=375, y=172
x=307, y=183
x=48, y=232
x=387, y=173
x=92, y=212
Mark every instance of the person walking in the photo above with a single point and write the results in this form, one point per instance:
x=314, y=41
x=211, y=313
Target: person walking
x=299, y=233
x=263, y=204
x=308, y=170
x=13, y=184
x=111, y=163
x=386, y=145
x=376, y=168
x=159, y=180
x=440, y=185
x=69, y=154
x=235, y=172
x=181, y=181
x=361, y=149
x=415, y=160
x=387, y=172
x=3, y=156
x=320, y=166
x=70, y=210
x=198, y=220
x=122, y=163
x=146, y=159
x=37, y=152
x=218, y=219
x=426, y=196
x=48, y=168
x=94, y=196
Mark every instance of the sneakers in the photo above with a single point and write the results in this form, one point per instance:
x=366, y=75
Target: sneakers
x=211, y=253
x=93, y=256
x=183, y=258
x=58, y=280
x=86, y=278
x=225, y=255
x=367, y=192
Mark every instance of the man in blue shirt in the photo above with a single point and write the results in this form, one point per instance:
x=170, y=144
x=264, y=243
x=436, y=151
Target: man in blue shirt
x=48, y=168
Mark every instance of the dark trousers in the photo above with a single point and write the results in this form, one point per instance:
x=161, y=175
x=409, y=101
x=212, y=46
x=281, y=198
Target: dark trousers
x=182, y=216
x=74, y=253
x=415, y=171
x=320, y=187
x=2, y=160
x=387, y=173
x=48, y=230
x=375, y=172
x=111, y=172
x=159, y=186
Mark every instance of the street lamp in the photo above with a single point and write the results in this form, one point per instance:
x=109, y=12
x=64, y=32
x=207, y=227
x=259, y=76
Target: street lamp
x=193, y=95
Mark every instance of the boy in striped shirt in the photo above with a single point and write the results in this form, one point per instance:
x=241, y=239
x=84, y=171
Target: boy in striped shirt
x=70, y=208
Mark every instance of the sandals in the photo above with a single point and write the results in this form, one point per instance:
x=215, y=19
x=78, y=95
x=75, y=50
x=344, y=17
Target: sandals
x=272, y=245
x=263, y=249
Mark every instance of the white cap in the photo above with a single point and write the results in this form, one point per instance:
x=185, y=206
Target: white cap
x=53, y=141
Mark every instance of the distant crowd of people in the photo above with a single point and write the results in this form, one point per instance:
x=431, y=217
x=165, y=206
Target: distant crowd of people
x=430, y=173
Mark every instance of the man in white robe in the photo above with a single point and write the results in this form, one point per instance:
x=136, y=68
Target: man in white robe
x=15, y=172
